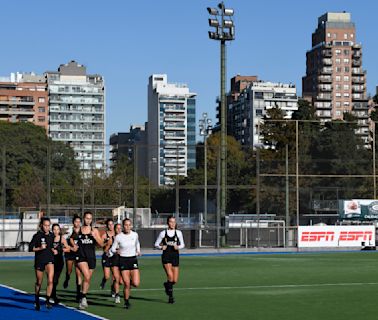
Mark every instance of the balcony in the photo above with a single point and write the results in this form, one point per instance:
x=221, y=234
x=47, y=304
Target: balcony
x=174, y=109
x=358, y=80
x=358, y=71
x=327, y=62
x=325, y=88
x=327, y=53
x=356, y=63
x=325, y=70
x=325, y=79
x=17, y=111
x=358, y=97
x=323, y=105
x=358, y=89
x=323, y=96
x=173, y=117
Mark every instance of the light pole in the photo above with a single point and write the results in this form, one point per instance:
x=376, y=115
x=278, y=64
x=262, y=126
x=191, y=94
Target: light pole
x=153, y=160
x=224, y=31
x=205, y=130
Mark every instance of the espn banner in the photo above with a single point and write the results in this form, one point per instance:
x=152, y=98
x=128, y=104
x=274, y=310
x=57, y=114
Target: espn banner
x=336, y=236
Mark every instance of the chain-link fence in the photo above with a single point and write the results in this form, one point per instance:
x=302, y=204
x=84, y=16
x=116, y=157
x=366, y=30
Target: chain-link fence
x=291, y=173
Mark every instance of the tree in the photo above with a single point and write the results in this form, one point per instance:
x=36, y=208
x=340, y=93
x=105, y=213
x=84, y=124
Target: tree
x=32, y=161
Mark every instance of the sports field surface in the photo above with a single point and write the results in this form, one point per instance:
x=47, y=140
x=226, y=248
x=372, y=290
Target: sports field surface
x=257, y=286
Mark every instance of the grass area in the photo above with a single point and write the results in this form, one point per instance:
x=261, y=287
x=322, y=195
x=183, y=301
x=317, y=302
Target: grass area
x=294, y=286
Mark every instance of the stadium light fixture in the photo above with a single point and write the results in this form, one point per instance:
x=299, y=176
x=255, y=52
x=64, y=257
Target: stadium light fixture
x=224, y=31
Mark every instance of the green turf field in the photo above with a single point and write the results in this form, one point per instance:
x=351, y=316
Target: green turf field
x=294, y=286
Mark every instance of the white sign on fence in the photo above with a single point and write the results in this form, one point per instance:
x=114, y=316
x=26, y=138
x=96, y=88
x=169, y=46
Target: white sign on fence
x=336, y=236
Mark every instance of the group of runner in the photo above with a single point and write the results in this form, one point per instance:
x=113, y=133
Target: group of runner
x=121, y=248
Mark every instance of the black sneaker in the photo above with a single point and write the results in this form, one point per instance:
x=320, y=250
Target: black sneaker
x=48, y=304
x=37, y=306
x=171, y=300
x=127, y=305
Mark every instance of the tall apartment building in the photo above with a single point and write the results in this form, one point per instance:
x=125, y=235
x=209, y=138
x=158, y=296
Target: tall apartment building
x=247, y=110
x=24, y=98
x=125, y=144
x=171, y=129
x=77, y=113
x=335, y=81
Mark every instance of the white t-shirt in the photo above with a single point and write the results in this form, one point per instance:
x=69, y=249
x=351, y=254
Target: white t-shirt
x=170, y=233
x=128, y=244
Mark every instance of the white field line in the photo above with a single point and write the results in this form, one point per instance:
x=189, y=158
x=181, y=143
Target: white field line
x=313, y=285
x=81, y=311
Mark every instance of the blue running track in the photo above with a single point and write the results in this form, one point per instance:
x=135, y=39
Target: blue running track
x=15, y=304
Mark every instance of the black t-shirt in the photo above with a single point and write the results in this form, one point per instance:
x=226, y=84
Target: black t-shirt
x=45, y=255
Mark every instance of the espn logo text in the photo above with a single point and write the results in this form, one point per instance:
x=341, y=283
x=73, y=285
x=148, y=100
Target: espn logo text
x=329, y=236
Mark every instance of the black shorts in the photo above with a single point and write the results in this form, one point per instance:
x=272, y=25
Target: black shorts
x=114, y=260
x=41, y=265
x=90, y=260
x=70, y=256
x=128, y=263
x=171, y=257
x=106, y=261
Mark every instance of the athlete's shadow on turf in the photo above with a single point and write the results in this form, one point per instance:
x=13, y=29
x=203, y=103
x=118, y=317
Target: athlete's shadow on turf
x=18, y=300
x=148, y=299
x=10, y=305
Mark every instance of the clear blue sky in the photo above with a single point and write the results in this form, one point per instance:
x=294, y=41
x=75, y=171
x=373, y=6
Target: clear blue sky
x=126, y=41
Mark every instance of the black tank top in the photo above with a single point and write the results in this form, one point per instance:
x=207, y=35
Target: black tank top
x=87, y=244
x=75, y=237
x=57, y=245
x=107, y=239
x=170, y=242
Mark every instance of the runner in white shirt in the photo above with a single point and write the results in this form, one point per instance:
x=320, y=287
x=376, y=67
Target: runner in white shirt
x=170, y=241
x=128, y=246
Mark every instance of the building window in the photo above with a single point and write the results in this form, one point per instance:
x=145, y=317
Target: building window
x=346, y=78
x=346, y=103
x=41, y=109
x=345, y=36
x=346, y=86
x=338, y=69
x=334, y=36
x=338, y=95
x=338, y=61
x=41, y=119
x=338, y=52
x=346, y=60
x=328, y=35
x=346, y=95
x=338, y=87
x=346, y=69
x=41, y=100
x=338, y=78
x=338, y=104
x=346, y=52
x=338, y=113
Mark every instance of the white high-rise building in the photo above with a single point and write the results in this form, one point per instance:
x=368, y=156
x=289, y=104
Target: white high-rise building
x=77, y=113
x=171, y=130
x=248, y=110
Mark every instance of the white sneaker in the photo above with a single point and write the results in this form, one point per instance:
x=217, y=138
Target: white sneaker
x=117, y=299
x=83, y=304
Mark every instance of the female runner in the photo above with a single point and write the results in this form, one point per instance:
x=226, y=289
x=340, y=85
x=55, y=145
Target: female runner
x=170, y=241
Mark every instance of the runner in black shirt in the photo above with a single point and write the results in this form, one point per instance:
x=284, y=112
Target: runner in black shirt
x=170, y=241
x=86, y=259
x=106, y=261
x=59, y=246
x=42, y=245
x=71, y=256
